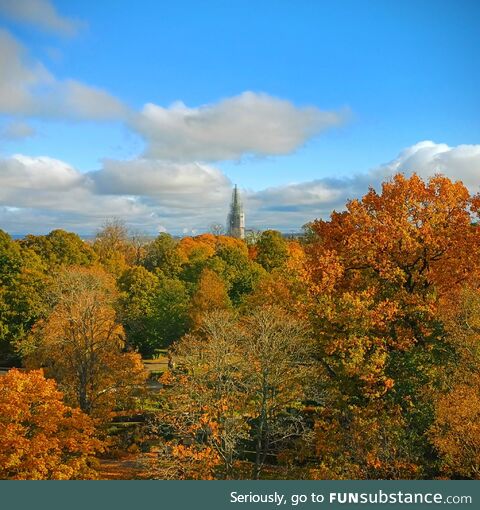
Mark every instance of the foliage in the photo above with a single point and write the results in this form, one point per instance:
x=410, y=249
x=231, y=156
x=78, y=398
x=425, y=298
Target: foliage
x=154, y=309
x=271, y=250
x=81, y=344
x=40, y=437
x=60, y=248
x=352, y=352
x=23, y=284
x=210, y=294
x=376, y=275
x=112, y=246
x=235, y=389
x=455, y=432
x=162, y=254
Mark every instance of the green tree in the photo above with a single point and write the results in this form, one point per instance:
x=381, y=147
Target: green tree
x=153, y=309
x=272, y=250
x=240, y=273
x=61, y=248
x=162, y=254
x=171, y=310
x=11, y=261
x=23, y=299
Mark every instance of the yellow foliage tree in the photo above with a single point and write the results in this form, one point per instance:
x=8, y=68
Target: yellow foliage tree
x=81, y=345
x=211, y=294
x=455, y=433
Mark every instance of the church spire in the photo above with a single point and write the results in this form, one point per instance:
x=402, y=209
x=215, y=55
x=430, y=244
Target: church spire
x=236, y=217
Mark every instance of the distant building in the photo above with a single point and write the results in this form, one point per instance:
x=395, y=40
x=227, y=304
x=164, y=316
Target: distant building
x=236, y=217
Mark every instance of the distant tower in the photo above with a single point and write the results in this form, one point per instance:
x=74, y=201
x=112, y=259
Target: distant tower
x=236, y=217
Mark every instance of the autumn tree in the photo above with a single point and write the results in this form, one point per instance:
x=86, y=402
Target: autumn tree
x=455, y=432
x=112, y=246
x=376, y=274
x=198, y=247
x=277, y=351
x=210, y=294
x=238, y=386
x=203, y=404
x=284, y=287
x=40, y=437
x=137, y=242
x=81, y=344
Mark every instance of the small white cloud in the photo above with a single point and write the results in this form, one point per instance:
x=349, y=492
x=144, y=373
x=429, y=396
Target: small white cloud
x=39, y=13
x=428, y=158
x=17, y=130
x=250, y=123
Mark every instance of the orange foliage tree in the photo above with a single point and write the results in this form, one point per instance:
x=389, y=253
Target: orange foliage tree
x=455, y=432
x=376, y=274
x=283, y=287
x=40, y=437
x=205, y=246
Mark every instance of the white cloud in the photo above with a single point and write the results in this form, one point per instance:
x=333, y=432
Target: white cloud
x=39, y=13
x=28, y=174
x=170, y=183
x=250, y=123
x=16, y=130
x=27, y=88
x=428, y=158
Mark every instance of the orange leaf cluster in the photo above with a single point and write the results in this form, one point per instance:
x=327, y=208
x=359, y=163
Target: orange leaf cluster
x=41, y=437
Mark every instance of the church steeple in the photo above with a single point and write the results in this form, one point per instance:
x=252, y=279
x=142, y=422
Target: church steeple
x=236, y=217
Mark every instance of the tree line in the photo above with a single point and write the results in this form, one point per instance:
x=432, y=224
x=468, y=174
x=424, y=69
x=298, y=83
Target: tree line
x=351, y=352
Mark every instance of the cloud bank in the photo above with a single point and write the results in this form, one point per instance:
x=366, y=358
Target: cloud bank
x=39, y=194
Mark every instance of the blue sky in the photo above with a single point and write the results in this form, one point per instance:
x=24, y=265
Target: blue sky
x=391, y=75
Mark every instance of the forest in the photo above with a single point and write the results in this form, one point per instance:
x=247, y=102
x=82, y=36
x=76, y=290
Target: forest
x=350, y=352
